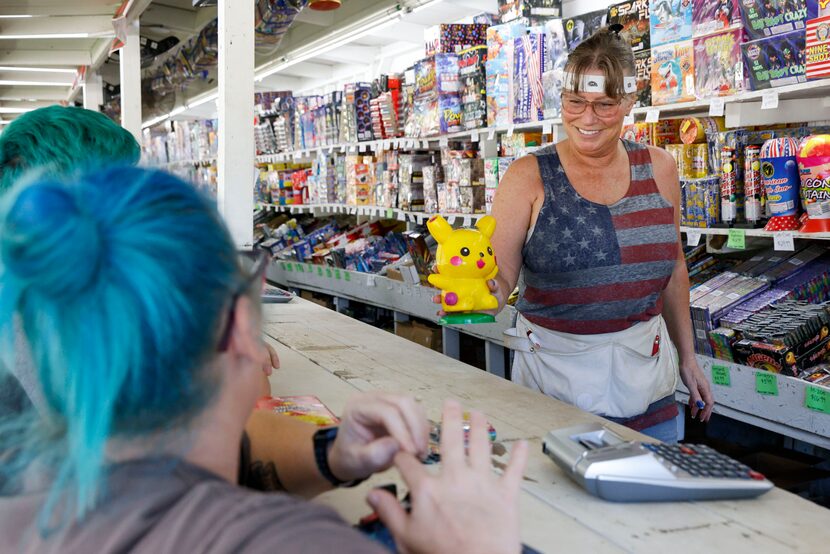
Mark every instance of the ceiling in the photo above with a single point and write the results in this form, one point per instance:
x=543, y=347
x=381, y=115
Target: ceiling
x=66, y=34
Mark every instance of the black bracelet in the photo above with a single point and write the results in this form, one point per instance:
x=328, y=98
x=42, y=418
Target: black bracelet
x=323, y=439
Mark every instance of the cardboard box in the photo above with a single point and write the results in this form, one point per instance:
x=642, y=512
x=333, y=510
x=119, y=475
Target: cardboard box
x=420, y=333
x=633, y=15
x=817, y=59
x=775, y=61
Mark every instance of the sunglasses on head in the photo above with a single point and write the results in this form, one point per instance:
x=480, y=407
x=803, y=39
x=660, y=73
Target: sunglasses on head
x=252, y=268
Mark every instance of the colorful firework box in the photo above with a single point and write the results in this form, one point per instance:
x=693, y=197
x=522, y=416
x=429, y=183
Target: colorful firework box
x=471, y=71
x=817, y=59
x=775, y=61
x=764, y=18
x=528, y=93
x=672, y=73
x=670, y=21
x=499, y=70
x=306, y=408
x=449, y=38
x=583, y=26
x=510, y=10
x=642, y=61
x=634, y=17
x=719, y=64
x=556, y=57
x=711, y=16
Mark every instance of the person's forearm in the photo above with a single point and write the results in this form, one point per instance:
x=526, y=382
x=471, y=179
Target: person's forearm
x=282, y=454
x=676, y=312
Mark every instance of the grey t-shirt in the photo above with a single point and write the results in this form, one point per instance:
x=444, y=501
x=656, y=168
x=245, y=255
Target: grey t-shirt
x=163, y=505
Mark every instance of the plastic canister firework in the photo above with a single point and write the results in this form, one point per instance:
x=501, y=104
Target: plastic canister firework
x=728, y=185
x=779, y=174
x=814, y=166
x=753, y=189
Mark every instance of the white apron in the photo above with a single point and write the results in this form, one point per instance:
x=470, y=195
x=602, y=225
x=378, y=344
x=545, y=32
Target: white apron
x=610, y=374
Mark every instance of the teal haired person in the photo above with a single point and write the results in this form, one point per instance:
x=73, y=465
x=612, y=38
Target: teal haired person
x=143, y=327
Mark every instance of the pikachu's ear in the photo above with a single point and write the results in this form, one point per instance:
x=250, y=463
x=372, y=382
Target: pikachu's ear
x=439, y=228
x=487, y=225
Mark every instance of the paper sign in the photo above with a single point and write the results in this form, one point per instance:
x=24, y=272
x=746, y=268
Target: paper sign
x=628, y=119
x=716, y=107
x=769, y=100
x=389, y=213
x=737, y=239
x=491, y=134
x=444, y=142
x=474, y=136
x=467, y=221
x=342, y=149
x=720, y=376
x=300, y=268
x=282, y=265
x=817, y=399
x=766, y=383
x=370, y=280
x=328, y=273
x=401, y=215
x=783, y=240
x=547, y=128
x=425, y=144
x=347, y=276
x=653, y=115
x=510, y=129
x=451, y=219
x=692, y=238
x=290, y=268
x=337, y=274
x=320, y=271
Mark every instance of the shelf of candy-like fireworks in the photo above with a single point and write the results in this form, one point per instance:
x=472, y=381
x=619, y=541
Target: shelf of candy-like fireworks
x=788, y=405
x=548, y=126
x=465, y=220
x=735, y=234
x=180, y=163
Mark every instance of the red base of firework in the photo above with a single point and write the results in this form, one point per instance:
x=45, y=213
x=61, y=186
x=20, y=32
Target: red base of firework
x=814, y=225
x=782, y=223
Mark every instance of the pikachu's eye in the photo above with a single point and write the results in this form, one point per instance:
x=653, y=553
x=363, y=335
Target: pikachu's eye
x=465, y=251
x=489, y=250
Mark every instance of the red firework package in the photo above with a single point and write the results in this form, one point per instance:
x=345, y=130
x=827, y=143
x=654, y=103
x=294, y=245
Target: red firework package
x=814, y=171
x=306, y=408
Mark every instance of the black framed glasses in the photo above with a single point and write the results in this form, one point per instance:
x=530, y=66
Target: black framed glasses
x=574, y=105
x=252, y=266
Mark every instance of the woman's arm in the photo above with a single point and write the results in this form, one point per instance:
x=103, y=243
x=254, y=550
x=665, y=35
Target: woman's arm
x=676, y=295
x=519, y=196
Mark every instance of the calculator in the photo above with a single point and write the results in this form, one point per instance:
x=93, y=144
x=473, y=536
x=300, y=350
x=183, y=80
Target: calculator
x=614, y=469
x=274, y=295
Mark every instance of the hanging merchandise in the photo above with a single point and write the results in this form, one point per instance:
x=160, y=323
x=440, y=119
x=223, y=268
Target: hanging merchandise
x=471, y=71
x=670, y=21
x=718, y=64
x=642, y=63
x=556, y=58
x=775, y=61
x=583, y=26
x=273, y=18
x=711, y=16
x=814, y=167
x=633, y=15
x=448, y=87
x=528, y=94
x=499, y=69
x=779, y=174
x=672, y=73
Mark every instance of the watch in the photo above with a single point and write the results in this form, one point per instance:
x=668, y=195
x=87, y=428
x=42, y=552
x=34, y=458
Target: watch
x=323, y=440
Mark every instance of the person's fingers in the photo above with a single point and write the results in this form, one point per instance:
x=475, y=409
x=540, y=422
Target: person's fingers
x=272, y=355
x=492, y=285
x=452, y=436
x=380, y=454
x=706, y=394
x=694, y=398
x=389, y=510
x=479, y=442
x=388, y=417
x=514, y=473
x=411, y=469
x=415, y=418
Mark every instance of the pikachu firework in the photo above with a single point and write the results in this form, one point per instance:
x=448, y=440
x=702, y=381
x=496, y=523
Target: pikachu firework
x=465, y=262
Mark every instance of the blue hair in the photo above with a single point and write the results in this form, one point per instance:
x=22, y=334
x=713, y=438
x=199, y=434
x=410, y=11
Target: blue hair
x=122, y=280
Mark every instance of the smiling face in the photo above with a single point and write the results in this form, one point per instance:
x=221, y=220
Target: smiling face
x=591, y=133
x=466, y=254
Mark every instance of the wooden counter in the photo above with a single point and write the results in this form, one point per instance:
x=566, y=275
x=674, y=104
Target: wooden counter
x=333, y=356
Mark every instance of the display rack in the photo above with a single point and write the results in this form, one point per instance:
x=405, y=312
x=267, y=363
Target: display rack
x=784, y=413
x=754, y=233
x=369, y=211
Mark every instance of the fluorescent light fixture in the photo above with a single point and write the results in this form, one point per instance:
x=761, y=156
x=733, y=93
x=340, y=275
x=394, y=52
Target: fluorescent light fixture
x=50, y=36
x=37, y=69
x=425, y=5
x=15, y=110
x=15, y=16
x=4, y=122
x=155, y=121
x=177, y=111
x=33, y=84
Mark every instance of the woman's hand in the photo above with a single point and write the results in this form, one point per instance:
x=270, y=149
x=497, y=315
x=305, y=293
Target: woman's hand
x=270, y=360
x=375, y=426
x=464, y=508
x=699, y=389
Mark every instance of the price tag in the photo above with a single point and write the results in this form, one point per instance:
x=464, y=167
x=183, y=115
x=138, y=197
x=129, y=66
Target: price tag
x=353, y=211
x=783, y=240
x=370, y=280
x=716, y=107
x=342, y=149
x=817, y=399
x=444, y=142
x=389, y=213
x=769, y=100
x=352, y=149
x=337, y=274
x=451, y=219
x=290, y=268
x=547, y=128
x=425, y=144
x=474, y=136
x=628, y=119
x=720, y=376
x=766, y=383
x=300, y=268
x=328, y=272
x=737, y=239
x=319, y=271
x=491, y=134
x=282, y=266
x=347, y=276
x=653, y=115
x=297, y=155
x=510, y=129
x=361, y=147
x=401, y=215
x=693, y=238
x=467, y=221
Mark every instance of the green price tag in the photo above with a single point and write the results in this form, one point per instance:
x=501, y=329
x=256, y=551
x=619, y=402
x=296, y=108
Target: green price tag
x=300, y=268
x=817, y=399
x=347, y=276
x=720, y=375
x=282, y=265
x=328, y=273
x=337, y=274
x=320, y=271
x=737, y=239
x=766, y=383
x=389, y=213
x=289, y=267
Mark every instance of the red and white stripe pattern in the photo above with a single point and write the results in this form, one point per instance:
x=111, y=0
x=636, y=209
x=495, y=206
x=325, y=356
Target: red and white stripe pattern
x=779, y=148
x=818, y=51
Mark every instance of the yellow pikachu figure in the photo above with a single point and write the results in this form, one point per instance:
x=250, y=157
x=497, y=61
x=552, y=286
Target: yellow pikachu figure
x=465, y=262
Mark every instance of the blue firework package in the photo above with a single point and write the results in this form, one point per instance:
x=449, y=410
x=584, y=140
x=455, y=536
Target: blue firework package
x=670, y=21
x=764, y=18
x=775, y=61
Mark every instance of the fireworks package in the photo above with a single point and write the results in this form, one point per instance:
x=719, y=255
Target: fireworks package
x=634, y=17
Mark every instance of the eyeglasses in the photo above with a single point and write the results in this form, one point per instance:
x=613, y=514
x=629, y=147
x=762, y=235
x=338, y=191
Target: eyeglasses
x=252, y=265
x=574, y=105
